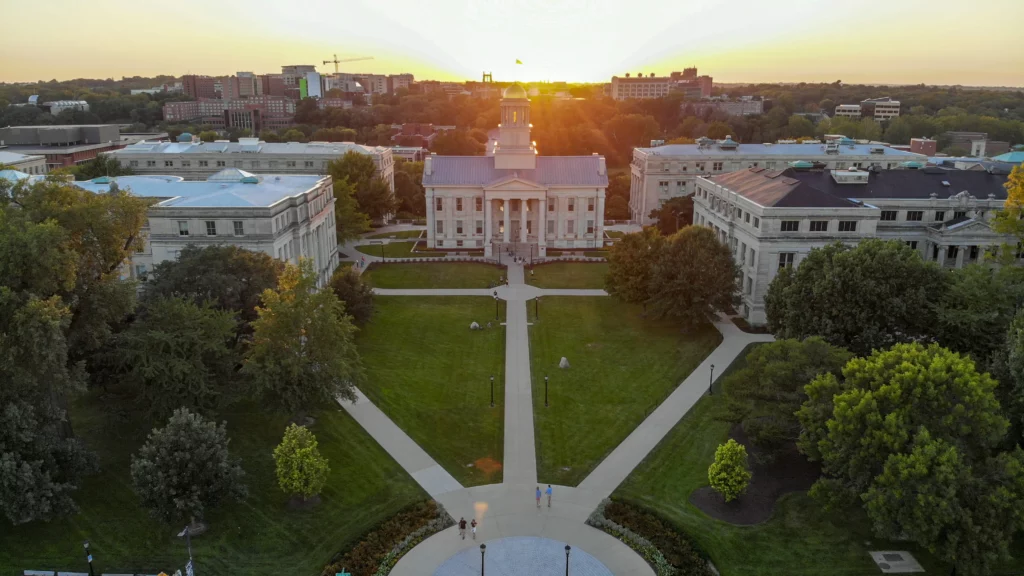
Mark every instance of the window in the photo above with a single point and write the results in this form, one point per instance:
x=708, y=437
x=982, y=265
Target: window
x=458, y=243
x=479, y=227
x=590, y=226
x=439, y=227
x=716, y=167
x=752, y=254
x=743, y=253
x=221, y=163
x=255, y=163
x=551, y=226
x=133, y=163
x=746, y=217
x=140, y=271
x=458, y=226
x=182, y=228
x=739, y=213
x=757, y=222
x=750, y=284
x=168, y=163
x=590, y=204
x=785, y=259
x=186, y=163
x=974, y=253
x=551, y=204
x=150, y=163
x=888, y=215
x=308, y=163
x=700, y=166
x=479, y=204
x=959, y=214
x=211, y=228
x=439, y=204
x=914, y=215
x=570, y=226
x=239, y=230
x=290, y=163
x=204, y=163
x=458, y=204
x=847, y=225
x=912, y=244
x=790, y=225
x=819, y=225
x=572, y=204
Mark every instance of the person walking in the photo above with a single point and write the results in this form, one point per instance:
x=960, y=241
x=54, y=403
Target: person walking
x=548, y=492
x=473, y=526
x=462, y=527
x=538, y=496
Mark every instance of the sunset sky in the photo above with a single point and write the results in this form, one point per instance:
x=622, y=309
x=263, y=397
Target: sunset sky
x=892, y=42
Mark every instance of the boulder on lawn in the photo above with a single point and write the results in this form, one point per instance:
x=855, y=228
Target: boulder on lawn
x=474, y=326
x=563, y=363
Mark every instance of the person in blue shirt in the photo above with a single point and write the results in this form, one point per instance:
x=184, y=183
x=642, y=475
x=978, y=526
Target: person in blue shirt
x=548, y=492
x=538, y=496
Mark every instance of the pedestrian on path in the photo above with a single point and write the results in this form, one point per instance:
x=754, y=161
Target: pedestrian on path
x=473, y=525
x=462, y=527
x=548, y=492
x=538, y=496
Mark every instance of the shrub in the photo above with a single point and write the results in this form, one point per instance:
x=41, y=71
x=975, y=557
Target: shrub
x=729, y=473
x=301, y=470
x=661, y=545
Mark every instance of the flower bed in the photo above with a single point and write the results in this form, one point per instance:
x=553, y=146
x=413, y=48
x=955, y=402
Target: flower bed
x=667, y=551
x=379, y=550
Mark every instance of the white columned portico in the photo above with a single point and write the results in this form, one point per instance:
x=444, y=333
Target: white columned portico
x=508, y=223
x=487, y=227
x=960, y=250
x=524, y=214
x=431, y=221
x=542, y=227
x=599, y=220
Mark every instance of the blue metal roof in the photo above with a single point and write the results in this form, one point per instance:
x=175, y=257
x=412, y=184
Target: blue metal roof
x=226, y=189
x=799, y=151
x=1011, y=157
x=550, y=171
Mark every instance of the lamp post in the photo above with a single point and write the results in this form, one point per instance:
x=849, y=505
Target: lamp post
x=492, y=391
x=88, y=557
x=711, y=380
x=567, y=550
x=536, y=305
x=545, y=391
x=495, y=305
x=483, y=548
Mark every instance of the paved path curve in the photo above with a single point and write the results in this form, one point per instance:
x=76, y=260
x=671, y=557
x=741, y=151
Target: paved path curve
x=508, y=510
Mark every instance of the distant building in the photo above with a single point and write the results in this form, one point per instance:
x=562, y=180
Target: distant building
x=772, y=219
x=325, y=103
x=642, y=87
x=201, y=86
x=1013, y=158
x=63, y=145
x=958, y=139
x=663, y=172
x=925, y=146
x=410, y=153
x=57, y=106
x=286, y=216
x=196, y=161
x=33, y=165
x=880, y=108
x=848, y=111
x=988, y=148
x=255, y=113
x=731, y=107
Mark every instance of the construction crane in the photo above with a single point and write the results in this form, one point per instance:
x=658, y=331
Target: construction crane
x=336, y=61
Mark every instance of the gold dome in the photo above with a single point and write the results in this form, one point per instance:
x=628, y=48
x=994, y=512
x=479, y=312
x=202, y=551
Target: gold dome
x=514, y=91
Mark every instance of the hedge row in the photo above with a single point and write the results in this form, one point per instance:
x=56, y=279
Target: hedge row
x=380, y=549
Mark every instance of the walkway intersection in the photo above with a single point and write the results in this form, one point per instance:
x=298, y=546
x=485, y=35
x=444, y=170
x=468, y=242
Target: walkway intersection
x=508, y=510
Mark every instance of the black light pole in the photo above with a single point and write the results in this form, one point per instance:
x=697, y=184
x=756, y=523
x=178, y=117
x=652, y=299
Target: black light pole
x=495, y=305
x=711, y=380
x=492, y=391
x=567, y=550
x=88, y=557
x=545, y=391
x=483, y=548
x=536, y=306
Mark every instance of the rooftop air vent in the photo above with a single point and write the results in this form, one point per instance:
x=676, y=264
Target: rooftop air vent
x=945, y=183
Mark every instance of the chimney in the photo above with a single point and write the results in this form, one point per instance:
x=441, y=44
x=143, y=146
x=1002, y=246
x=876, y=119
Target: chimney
x=601, y=169
x=428, y=164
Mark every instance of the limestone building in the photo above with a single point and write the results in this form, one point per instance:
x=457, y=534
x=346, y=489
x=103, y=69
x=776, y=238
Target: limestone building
x=663, y=172
x=513, y=198
x=772, y=219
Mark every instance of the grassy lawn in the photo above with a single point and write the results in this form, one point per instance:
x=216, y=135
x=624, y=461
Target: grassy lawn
x=258, y=536
x=397, y=250
x=569, y=275
x=430, y=275
x=622, y=366
x=430, y=373
x=397, y=234
x=799, y=539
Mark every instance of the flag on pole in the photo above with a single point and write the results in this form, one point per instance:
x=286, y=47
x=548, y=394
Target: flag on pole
x=518, y=61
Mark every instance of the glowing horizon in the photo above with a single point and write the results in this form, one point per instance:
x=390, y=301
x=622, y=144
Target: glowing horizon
x=902, y=42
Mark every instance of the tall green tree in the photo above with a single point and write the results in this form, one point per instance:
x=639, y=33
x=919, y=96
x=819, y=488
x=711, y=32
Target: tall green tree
x=185, y=468
x=924, y=420
x=303, y=351
x=631, y=263
x=227, y=277
x=768, y=391
x=356, y=295
x=373, y=195
x=975, y=311
x=179, y=354
x=101, y=165
x=350, y=220
x=861, y=298
x=729, y=474
x=301, y=469
x=209, y=136
x=456, y=143
x=674, y=214
x=693, y=278
x=377, y=200
x=409, y=188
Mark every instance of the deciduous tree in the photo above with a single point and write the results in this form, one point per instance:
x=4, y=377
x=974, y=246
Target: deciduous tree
x=303, y=352
x=631, y=263
x=861, y=298
x=185, y=468
x=694, y=277
x=350, y=221
x=976, y=310
x=729, y=474
x=301, y=470
x=101, y=165
x=674, y=214
x=356, y=295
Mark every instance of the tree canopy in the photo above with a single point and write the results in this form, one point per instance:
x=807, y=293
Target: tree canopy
x=301, y=470
x=372, y=194
x=356, y=295
x=729, y=474
x=631, y=263
x=861, y=298
x=101, y=165
x=693, y=277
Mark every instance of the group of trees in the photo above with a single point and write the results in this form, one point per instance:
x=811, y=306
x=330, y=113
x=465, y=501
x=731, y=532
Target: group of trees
x=218, y=324
x=689, y=277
